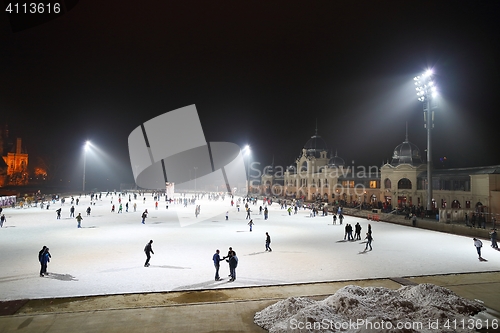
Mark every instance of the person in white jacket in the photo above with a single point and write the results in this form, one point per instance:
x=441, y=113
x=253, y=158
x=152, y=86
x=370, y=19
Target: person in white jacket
x=478, y=244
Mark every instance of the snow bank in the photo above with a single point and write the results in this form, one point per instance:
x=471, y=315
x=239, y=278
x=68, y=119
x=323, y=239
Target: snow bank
x=421, y=308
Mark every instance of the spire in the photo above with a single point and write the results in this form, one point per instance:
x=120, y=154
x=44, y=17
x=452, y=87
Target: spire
x=406, y=140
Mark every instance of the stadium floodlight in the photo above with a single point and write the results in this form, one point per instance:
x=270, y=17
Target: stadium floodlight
x=86, y=147
x=426, y=92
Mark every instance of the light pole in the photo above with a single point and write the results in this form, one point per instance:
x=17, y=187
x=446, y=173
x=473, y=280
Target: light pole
x=85, y=148
x=247, y=152
x=426, y=91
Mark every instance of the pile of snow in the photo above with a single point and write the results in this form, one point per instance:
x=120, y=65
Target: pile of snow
x=421, y=308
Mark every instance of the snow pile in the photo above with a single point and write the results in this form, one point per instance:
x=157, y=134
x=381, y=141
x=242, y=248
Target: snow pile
x=421, y=308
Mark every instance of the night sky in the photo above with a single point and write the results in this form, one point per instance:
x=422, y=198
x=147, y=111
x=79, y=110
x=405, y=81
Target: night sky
x=259, y=73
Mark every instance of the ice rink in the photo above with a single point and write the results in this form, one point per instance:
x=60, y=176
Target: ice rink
x=106, y=255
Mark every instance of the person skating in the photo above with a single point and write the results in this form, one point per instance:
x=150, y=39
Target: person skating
x=341, y=218
x=357, y=231
x=229, y=254
x=248, y=213
x=144, y=215
x=216, y=258
x=88, y=210
x=40, y=253
x=72, y=211
x=233, y=263
x=148, y=249
x=79, y=219
x=268, y=242
x=478, y=244
x=493, y=237
x=251, y=224
x=44, y=260
x=2, y=220
x=58, y=212
x=334, y=218
x=266, y=213
x=369, y=240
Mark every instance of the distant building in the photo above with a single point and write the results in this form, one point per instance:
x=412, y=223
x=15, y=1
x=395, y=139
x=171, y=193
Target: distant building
x=14, y=161
x=400, y=184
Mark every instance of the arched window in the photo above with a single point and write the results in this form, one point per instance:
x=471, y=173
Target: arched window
x=387, y=183
x=404, y=184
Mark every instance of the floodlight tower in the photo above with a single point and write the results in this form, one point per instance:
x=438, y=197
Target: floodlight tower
x=247, y=152
x=426, y=92
x=85, y=148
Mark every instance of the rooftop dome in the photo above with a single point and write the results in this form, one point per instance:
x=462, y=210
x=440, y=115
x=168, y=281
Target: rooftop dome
x=406, y=153
x=315, y=145
x=336, y=161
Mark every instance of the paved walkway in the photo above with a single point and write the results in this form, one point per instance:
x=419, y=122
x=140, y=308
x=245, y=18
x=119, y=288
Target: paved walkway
x=221, y=310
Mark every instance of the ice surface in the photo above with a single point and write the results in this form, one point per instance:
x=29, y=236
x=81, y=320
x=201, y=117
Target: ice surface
x=106, y=255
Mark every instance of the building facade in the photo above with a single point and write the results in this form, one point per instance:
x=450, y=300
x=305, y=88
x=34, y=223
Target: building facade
x=14, y=161
x=400, y=184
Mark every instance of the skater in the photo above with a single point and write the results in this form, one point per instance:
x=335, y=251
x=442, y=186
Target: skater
x=348, y=232
x=144, y=215
x=120, y=209
x=88, y=210
x=370, y=229
x=268, y=242
x=79, y=219
x=44, y=257
x=227, y=215
x=341, y=218
x=229, y=254
x=233, y=263
x=478, y=244
x=148, y=250
x=248, y=213
x=58, y=212
x=334, y=218
x=493, y=236
x=357, y=231
x=112, y=208
x=266, y=213
x=72, y=211
x=126, y=207
x=135, y=206
x=2, y=220
x=251, y=224
x=369, y=240
x=216, y=258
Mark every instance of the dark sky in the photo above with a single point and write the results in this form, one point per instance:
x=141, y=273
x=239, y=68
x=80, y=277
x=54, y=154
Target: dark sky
x=259, y=73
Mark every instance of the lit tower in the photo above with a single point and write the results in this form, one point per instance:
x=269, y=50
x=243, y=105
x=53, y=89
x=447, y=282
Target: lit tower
x=426, y=91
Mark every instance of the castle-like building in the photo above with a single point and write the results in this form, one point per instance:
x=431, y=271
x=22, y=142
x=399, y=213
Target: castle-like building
x=13, y=161
x=318, y=174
